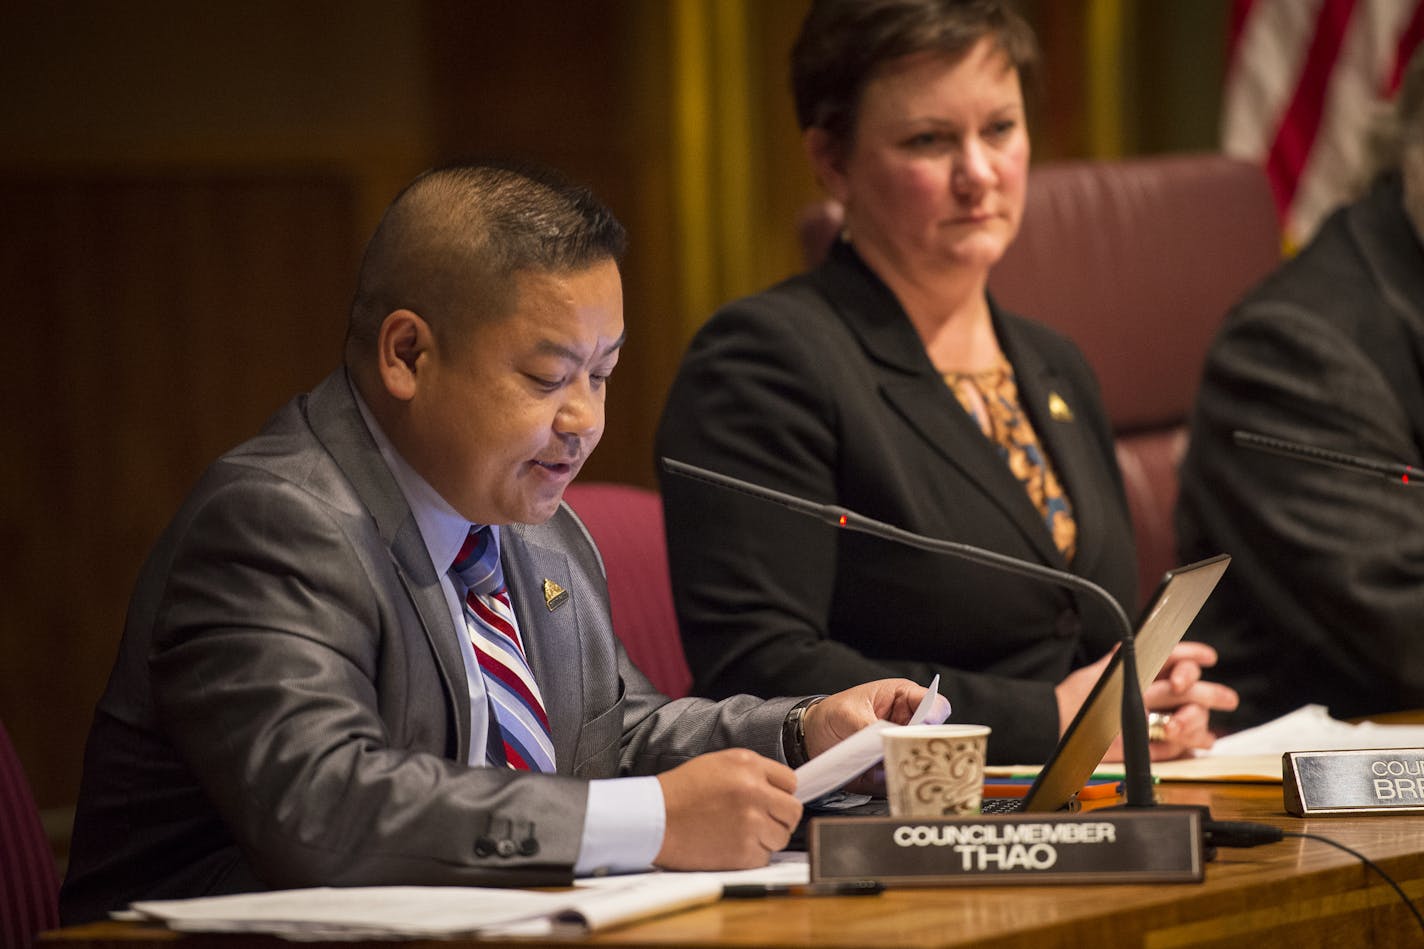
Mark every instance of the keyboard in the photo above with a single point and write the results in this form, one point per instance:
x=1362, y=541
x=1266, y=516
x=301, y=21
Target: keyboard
x=1001, y=805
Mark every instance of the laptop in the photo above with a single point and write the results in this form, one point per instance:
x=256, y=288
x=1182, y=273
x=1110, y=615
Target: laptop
x=1175, y=603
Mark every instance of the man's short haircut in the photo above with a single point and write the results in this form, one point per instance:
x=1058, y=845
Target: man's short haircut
x=844, y=44
x=451, y=243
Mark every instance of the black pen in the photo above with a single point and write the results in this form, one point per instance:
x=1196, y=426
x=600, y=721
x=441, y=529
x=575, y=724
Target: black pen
x=752, y=891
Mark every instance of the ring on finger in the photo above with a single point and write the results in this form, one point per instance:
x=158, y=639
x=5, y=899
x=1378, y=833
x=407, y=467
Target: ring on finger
x=1157, y=725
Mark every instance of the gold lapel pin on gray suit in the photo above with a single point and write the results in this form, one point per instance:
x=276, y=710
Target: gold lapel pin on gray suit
x=555, y=596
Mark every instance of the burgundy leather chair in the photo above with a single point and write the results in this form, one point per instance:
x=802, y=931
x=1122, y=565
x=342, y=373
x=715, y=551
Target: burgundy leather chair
x=1137, y=261
x=627, y=525
x=29, y=880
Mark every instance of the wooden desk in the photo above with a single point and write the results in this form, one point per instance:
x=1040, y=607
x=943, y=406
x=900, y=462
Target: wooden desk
x=1297, y=893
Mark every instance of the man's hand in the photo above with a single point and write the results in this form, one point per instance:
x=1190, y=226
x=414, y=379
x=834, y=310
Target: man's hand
x=727, y=810
x=839, y=716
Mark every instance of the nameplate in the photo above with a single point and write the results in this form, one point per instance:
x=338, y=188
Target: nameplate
x=1370, y=781
x=1100, y=847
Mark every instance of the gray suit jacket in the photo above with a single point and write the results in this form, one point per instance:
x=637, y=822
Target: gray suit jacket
x=289, y=705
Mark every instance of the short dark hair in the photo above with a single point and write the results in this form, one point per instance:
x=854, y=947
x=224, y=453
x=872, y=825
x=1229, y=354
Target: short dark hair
x=843, y=44
x=450, y=243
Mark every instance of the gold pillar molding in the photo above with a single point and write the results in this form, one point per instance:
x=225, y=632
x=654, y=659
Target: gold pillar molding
x=712, y=115
x=1106, y=72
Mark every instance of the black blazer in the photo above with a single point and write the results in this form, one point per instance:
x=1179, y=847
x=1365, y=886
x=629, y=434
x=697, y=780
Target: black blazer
x=820, y=387
x=1324, y=601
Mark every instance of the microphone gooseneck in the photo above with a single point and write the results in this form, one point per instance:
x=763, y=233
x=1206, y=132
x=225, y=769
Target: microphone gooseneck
x=1137, y=766
x=1393, y=470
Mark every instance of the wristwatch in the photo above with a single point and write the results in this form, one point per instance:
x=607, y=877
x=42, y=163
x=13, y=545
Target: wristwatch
x=793, y=732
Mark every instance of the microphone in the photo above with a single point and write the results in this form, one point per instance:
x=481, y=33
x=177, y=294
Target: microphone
x=1137, y=767
x=1393, y=470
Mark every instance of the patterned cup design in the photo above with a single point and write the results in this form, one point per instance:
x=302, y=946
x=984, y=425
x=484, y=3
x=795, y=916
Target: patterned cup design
x=935, y=770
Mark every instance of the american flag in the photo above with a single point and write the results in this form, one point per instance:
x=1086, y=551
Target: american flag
x=1305, y=80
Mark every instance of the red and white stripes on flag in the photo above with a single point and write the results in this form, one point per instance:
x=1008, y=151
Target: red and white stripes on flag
x=1305, y=80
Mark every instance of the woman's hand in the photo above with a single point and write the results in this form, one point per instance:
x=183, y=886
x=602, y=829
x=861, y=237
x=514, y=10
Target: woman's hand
x=1179, y=694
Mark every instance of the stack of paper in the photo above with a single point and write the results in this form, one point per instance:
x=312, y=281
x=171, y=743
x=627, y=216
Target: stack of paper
x=430, y=911
x=1255, y=753
x=372, y=912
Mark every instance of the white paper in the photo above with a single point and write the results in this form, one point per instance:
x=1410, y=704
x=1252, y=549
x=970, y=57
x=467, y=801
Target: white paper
x=922, y=713
x=647, y=895
x=857, y=754
x=1254, y=754
x=785, y=867
x=1310, y=728
x=348, y=913
x=839, y=764
x=1236, y=769
x=355, y=912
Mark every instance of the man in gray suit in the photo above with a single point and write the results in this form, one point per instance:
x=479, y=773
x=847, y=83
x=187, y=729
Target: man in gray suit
x=296, y=699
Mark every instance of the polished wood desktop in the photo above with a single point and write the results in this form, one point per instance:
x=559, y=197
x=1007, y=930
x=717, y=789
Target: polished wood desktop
x=1296, y=893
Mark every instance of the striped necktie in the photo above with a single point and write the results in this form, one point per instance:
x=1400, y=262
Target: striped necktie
x=516, y=706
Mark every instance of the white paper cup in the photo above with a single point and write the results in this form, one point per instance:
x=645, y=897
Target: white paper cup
x=934, y=770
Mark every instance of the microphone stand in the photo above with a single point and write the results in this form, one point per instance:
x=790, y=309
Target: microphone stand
x=1137, y=766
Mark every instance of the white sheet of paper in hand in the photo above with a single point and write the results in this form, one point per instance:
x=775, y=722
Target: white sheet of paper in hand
x=855, y=755
x=927, y=705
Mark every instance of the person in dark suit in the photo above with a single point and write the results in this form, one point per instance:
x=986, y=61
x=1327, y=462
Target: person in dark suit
x=333, y=648
x=1324, y=601
x=887, y=381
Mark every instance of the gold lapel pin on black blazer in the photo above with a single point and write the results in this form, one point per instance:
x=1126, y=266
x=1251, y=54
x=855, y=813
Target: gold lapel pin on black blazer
x=1058, y=409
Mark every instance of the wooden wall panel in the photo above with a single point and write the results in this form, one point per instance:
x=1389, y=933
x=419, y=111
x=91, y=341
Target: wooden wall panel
x=582, y=87
x=154, y=322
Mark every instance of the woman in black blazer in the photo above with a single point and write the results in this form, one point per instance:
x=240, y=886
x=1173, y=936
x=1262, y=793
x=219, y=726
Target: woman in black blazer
x=887, y=381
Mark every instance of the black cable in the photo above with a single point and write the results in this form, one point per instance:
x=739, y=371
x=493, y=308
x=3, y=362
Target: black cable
x=1367, y=862
x=1230, y=833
